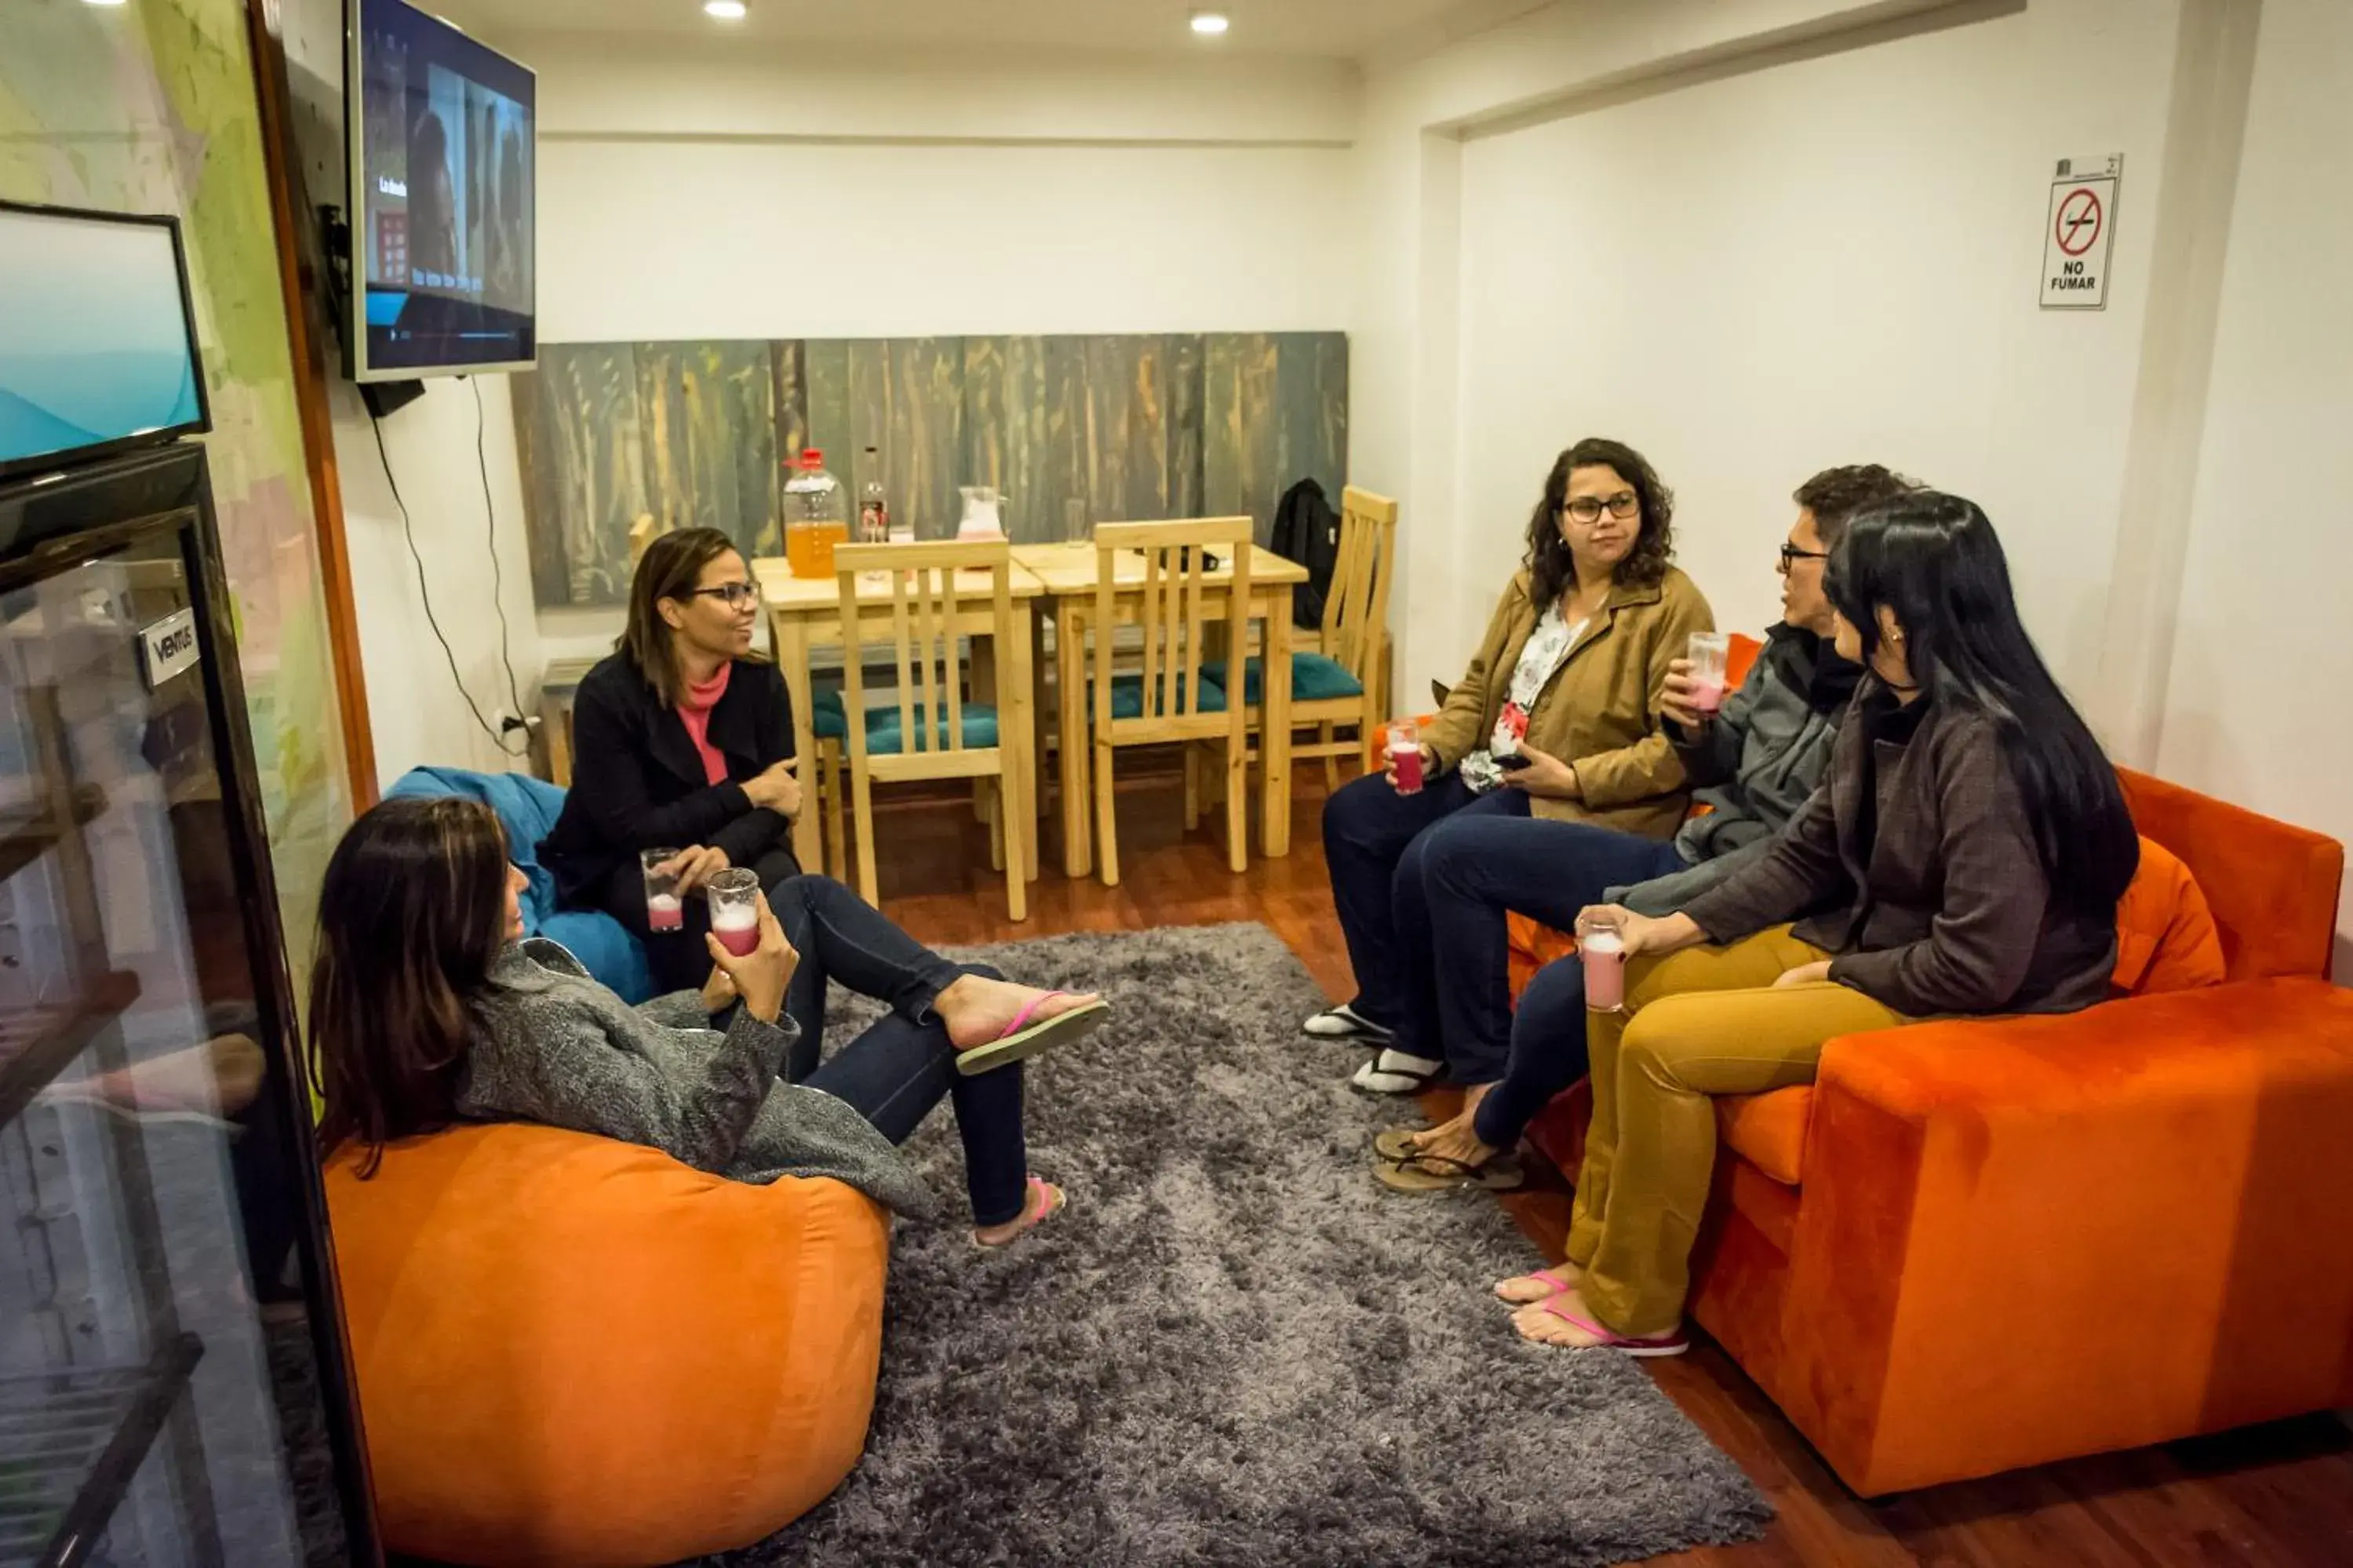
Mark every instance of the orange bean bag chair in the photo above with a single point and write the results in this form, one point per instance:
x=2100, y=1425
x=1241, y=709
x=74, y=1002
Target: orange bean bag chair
x=575, y=1351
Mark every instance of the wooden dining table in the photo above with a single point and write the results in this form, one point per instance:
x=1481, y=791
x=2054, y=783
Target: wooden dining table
x=1067, y=575
x=1056, y=581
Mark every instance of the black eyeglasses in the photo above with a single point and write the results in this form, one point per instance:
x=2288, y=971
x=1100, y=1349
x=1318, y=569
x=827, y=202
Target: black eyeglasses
x=1588, y=509
x=1791, y=555
x=735, y=595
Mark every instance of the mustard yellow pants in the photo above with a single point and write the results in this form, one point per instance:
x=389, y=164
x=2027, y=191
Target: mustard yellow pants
x=1702, y=1022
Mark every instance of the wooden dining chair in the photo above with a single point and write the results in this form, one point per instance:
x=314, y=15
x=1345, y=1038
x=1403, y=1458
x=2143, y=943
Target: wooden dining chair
x=1338, y=684
x=932, y=730
x=1180, y=608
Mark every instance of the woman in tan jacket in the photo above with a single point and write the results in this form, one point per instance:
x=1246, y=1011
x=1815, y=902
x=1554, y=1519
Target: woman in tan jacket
x=1557, y=717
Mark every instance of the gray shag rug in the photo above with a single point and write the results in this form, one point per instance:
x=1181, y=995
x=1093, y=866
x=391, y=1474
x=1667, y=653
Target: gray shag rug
x=1234, y=1346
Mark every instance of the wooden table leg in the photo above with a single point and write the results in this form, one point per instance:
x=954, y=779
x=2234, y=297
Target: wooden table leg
x=1275, y=740
x=1070, y=662
x=1019, y=729
x=790, y=634
x=980, y=668
x=1035, y=611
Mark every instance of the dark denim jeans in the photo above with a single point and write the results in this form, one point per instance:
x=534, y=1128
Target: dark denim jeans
x=897, y=1070
x=1549, y=870
x=1476, y=869
x=1371, y=836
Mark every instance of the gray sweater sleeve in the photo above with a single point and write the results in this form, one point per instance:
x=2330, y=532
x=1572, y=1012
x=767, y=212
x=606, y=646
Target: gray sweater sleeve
x=676, y=1010
x=573, y=1073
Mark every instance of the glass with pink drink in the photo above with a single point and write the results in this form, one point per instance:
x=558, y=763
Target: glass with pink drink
x=1711, y=652
x=1601, y=948
x=665, y=905
x=1405, y=756
x=735, y=910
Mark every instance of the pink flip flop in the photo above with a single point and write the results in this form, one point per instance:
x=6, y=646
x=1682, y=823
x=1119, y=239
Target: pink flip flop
x=1023, y=1038
x=1610, y=1339
x=1040, y=1202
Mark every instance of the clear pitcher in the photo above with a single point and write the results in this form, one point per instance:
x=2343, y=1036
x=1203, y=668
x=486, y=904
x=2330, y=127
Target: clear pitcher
x=980, y=519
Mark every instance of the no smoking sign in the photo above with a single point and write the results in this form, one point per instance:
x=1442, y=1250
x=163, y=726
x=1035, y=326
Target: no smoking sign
x=2079, y=233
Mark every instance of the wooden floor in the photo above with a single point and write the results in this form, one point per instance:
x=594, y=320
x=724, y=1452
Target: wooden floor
x=2271, y=1497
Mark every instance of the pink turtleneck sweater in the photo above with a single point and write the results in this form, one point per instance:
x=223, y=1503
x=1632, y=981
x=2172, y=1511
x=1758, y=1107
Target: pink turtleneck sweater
x=694, y=712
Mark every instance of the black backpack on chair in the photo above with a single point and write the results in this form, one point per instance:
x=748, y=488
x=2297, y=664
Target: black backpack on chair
x=1306, y=530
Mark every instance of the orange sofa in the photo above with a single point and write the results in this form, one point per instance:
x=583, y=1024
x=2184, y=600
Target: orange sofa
x=573, y=1351
x=1973, y=1245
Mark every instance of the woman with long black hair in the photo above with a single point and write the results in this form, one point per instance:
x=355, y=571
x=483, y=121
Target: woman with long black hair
x=1964, y=856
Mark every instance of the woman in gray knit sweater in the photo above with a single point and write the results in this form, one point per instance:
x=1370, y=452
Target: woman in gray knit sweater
x=429, y=1007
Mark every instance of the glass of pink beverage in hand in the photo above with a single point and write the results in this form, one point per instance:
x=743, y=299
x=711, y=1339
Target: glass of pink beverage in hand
x=735, y=910
x=1405, y=756
x=665, y=909
x=1601, y=948
x=1711, y=652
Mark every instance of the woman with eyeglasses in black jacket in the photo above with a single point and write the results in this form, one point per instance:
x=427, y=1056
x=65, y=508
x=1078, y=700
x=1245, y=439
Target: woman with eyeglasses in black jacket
x=682, y=739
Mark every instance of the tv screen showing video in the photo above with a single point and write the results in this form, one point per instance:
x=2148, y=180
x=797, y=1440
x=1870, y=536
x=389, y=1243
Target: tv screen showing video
x=443, y=165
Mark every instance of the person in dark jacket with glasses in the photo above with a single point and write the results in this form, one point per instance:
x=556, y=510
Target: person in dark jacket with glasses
x=682, y=739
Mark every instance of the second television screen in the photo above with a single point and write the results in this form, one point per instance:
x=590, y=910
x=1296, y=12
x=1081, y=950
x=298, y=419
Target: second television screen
x=445, y=163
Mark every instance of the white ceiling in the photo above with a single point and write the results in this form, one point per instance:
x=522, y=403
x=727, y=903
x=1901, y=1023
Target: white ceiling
x=1344, y=29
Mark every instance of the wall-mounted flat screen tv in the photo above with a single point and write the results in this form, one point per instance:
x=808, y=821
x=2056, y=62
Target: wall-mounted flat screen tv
x=444, y=156
x=97, y=347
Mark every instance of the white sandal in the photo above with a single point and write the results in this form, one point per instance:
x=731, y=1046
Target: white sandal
x=1343, y=1022
x=1395, y=1072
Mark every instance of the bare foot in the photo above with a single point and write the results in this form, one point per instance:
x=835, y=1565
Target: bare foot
x=1040, y=1202
x=1543, y=1323
x=1549, y=1323
x=1420, y=1142
x=979, y=1010
x=1455, y=1140
x=1525, y=1290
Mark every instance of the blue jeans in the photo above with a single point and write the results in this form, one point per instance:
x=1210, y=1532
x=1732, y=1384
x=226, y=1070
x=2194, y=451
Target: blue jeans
x=1372, y=839
x=895, y=1072
x=1475, y=872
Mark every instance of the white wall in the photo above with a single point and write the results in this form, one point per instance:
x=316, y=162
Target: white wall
x=1831, y=260
x=2260, y=647
x=1765, y=253
x=693, y=191
x=472, y=568
x=652, y=240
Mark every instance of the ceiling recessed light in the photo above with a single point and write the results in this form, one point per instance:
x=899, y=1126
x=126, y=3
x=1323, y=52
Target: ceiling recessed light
x=726, y=10
x=104, y=2
x=1209, y=24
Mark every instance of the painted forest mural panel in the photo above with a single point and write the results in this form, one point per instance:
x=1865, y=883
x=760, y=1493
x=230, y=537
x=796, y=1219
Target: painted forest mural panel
x=1074, y=430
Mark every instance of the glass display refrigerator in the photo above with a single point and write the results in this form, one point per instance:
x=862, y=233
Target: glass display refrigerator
x=175, y=1386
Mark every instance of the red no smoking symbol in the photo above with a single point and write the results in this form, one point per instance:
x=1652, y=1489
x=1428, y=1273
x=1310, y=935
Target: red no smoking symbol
x=2078, y=228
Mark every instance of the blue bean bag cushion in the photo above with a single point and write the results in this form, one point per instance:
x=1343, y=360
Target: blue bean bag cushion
x=527, y=808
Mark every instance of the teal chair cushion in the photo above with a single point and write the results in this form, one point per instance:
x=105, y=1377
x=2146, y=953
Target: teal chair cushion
x=1313, y=678
x=829, y=718
x=1127, y=696
x=885, y=737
